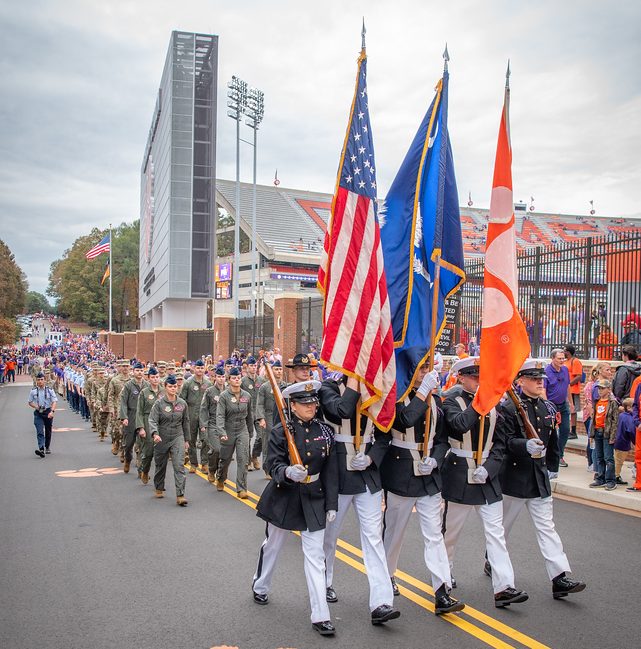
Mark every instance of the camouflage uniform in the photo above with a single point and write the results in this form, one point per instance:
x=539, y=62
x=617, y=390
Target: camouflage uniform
x=102, y=417
x=114, y=390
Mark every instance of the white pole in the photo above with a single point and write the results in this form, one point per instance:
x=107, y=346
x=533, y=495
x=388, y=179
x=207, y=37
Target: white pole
x=254, y=255
x=111, y=274
x=236, y=283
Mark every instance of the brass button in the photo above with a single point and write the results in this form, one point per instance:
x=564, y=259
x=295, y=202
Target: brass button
x=307, y=430
x=307, y=466
x=306, y=441
x=308, y=452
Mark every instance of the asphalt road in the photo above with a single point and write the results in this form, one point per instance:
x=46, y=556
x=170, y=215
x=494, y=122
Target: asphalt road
x=96, y=561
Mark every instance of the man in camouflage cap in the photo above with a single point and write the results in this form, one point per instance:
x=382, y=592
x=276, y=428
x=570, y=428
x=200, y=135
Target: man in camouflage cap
x=114, y=390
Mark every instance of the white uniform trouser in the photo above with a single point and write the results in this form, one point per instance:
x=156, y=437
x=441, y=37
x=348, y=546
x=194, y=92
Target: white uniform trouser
x=397, y=516
x=540, y=510
x=497, y=554
x=368, y=508
x=314, y=567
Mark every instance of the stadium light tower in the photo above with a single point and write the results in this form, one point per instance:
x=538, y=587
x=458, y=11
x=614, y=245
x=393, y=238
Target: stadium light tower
x=237, y=105
x=255, y=113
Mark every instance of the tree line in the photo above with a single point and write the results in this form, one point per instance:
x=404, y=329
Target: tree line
x=13, y=290
x=75, y=282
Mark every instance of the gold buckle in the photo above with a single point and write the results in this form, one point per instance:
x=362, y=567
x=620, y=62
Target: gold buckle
x=307, y=480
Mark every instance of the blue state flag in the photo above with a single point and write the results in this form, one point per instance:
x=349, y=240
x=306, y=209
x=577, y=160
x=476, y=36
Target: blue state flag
x=420, y=228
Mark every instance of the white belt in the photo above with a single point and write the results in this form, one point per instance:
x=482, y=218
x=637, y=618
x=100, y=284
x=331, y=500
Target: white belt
x=349, y=439
x=412, y=446
x=311, y=478
x=471, y=454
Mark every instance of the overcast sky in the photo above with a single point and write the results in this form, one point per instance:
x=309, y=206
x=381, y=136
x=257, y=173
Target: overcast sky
x=79, y=80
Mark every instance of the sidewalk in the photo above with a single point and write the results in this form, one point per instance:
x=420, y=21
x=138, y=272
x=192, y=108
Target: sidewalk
x=574, y=480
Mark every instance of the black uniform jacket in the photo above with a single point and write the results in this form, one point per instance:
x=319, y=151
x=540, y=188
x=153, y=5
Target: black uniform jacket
x=397, y=468
x=335, y=408
x=294, y=505
x=523, y=476
x=456, y=488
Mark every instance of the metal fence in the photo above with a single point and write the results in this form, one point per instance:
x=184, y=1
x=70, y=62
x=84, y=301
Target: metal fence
x=253, y=334
x=310, y=318
x=584, y=293
x=200, y=343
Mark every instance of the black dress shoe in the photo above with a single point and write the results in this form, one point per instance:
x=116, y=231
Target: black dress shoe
x=487, y=569
x=39, y=452
x=620, y=480
x=395, y=589
x=324, y=628
x=261, y=599
x=446, y=604
x=384, y=613
x=562, y=586
x=509, y=596
x=330, y=595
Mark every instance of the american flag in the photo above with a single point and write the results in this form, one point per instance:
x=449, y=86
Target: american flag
x=358, y=338
x=98, y=249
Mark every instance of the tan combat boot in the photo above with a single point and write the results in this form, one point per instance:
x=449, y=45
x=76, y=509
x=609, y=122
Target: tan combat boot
x=126, y=467
x=242, y=494
x=220, y=485
x=204, y=468
x=192, y=468
x=256, y=463
x=159, y=493
x=114, y=448
x=181, y=500
x=144, y=478
x=211, y=477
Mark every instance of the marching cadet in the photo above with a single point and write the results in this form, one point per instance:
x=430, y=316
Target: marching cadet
x=102, y=406
x=148, y=396
x=127, y=411
x=169, y=428
x=161, y=366
x=192, y=392
x=207, y=423
x=89, y=390
x=251, y=383
x=266, y=411
x=234, y=420
x=299, y=497
x=467, y=486
x=412, y=479
x=114, y=390
x=359, y=484
x=526, y=471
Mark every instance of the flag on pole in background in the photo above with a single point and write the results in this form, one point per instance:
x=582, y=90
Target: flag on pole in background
x=98, y=249
x=107, y=272
x=420, y=224
x=357, y=337
x=504, y=341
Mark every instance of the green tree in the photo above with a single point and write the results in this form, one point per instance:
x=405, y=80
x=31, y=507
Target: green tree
x=9, y=331
x=13, y=284
x=75, y=281
x=35, y=301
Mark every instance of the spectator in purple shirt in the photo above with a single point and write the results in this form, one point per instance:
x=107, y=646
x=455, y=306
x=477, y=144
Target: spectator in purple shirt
x=557, y=384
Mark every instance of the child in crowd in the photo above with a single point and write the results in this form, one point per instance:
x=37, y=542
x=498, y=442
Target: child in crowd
x=603, y=433
x=624, y=438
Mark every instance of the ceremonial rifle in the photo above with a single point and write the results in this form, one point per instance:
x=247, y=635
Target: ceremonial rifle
x=294, y=455
x=530, y=431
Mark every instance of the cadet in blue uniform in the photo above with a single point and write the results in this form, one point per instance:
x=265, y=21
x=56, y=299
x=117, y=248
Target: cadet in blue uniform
x=525, y=474
x=299, y=497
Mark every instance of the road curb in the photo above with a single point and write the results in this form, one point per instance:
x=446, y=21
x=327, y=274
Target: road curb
x=623, y=500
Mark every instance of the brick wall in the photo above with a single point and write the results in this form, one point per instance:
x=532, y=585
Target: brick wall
x=170, y=344
x=102, y=337
x=145, y=346
x=129, y=344
x=286, y=326
x=222, y=335
x=115, y=342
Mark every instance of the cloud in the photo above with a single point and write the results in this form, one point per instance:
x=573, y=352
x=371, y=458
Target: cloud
x=80, y=82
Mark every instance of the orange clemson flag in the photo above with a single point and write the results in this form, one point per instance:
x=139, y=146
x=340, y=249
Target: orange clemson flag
x=504, y=340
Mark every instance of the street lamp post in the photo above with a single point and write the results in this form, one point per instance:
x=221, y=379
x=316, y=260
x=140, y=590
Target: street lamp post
x=255, y=113
x=237, y=105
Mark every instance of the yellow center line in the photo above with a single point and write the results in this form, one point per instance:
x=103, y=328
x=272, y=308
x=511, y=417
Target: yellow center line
x=456, y=620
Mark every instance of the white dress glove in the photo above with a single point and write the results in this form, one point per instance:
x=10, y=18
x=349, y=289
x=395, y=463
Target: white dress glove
x=331, y=515
x=480, y=475
x=430, y=382
x=296, y=473
x=534, y=446
x=360, y=461
x=553, y=474
x=427, y=465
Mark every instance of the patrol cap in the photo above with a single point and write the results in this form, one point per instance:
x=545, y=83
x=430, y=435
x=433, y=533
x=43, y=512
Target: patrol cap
x=199, y=363
x=219, y=371
x=139, y=366
x=152, y=371
x=170, y=379
x=277, y=364
x=604, y=383
x=300, y=360
x=532, y=368
x=178, y=374
x=303, y=392
x=234, y=371
x=467, y=366
x=123, y=362
x=251, y=360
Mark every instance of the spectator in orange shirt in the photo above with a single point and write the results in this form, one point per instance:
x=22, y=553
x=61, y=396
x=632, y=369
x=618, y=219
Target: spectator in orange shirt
x=606, y=342
x=459, y=350
x=575, y=368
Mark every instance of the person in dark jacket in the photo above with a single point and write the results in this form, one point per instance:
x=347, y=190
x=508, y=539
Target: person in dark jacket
x=525, y=474
x=626, y=373
x=412, y=480
x=468, y=486
x=359, y=484
x=299, y=497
